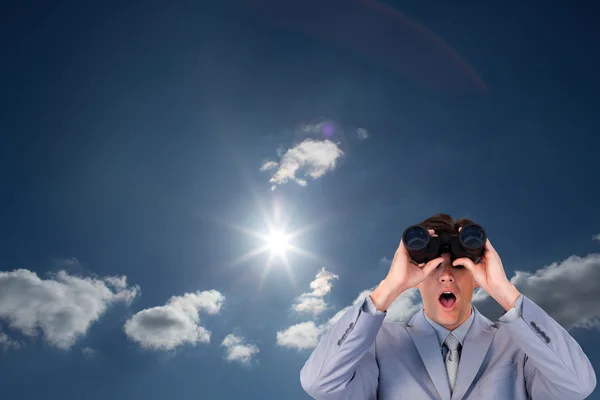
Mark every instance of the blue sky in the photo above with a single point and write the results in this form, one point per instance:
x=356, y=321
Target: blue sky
x=142, y=146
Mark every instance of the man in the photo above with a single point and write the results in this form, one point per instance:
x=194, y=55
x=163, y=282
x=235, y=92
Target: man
x=448, y=350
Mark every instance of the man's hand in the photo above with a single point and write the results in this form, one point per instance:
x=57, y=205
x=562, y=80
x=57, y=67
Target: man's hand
x=490, y=275
x=403, y=275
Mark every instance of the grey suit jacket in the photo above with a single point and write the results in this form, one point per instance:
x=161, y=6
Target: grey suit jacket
x=530, y=357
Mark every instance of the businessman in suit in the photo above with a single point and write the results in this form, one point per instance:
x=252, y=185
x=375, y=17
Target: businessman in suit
x=448, y=350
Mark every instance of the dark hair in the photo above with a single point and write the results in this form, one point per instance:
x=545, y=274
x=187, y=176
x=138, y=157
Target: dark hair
x=445, y=223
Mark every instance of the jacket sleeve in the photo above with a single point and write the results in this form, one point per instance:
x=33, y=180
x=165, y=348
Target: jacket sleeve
x=343, y=365
x=556, y=367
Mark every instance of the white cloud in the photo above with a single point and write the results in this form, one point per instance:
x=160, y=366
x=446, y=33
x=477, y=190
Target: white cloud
x=400, y=310
x=238, y=350
x=309, y=158
x=316, y=305
x=313, y=301
x=306, y=334
x=404, y=307
x=302, y=336
x=268, y=165
x=88, y=352
x=385, y=262
x=176, y=323
x=7, y=343
x=596, y=237
x=314, y=128
x=66, y=262
x=362, y=134
x=62, y=308
x=565, y=290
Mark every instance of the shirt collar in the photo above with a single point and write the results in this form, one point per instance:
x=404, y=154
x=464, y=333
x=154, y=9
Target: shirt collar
x=460, y=332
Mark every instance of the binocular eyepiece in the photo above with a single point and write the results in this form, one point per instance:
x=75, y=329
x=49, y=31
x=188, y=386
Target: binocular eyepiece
x=470, y=242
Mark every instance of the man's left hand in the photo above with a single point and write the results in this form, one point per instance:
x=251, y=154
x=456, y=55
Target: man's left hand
x=490, y=275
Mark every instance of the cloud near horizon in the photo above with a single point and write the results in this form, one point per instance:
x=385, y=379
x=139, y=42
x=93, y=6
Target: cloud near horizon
x=565, y=290
x=61, y=308
x=176, y=323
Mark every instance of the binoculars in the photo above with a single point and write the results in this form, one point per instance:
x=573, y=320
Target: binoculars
x=470, y=242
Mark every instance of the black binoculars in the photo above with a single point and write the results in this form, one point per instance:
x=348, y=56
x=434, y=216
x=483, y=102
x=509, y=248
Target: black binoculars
x=470, y=242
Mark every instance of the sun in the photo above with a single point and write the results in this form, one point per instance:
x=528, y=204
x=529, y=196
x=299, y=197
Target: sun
x=276, y=239
x=277, y=242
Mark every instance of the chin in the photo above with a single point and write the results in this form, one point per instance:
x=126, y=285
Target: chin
x=449, y=316
x=449, y=323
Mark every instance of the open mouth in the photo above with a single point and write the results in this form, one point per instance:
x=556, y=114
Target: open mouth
x=447, y=299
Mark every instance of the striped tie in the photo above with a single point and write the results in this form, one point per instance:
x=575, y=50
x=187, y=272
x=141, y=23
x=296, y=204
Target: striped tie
x=452, y=359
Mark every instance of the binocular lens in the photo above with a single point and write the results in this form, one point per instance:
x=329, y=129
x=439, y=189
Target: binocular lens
x=416, y=238
x=472, y=237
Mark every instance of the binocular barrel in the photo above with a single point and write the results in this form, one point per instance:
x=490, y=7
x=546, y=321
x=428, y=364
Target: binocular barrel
x=470, y=242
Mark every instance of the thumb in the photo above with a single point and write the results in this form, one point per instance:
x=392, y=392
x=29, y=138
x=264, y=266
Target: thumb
x=431, y=265
x=466, y=262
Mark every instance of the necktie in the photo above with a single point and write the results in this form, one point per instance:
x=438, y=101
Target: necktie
x=452, y=359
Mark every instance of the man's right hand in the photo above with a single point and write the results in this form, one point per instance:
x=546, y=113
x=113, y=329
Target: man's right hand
x=403, y=275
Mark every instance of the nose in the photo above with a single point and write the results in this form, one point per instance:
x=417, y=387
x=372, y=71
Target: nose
x=446, y=275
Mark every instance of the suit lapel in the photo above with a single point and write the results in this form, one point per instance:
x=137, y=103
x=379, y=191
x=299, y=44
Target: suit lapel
x=476, y=345
x=428, y=346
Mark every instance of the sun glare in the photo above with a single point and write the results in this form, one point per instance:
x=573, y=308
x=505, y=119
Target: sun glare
x=277, y=242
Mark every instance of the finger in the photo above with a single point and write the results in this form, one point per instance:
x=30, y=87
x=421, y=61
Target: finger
x=402, y=253
x=431, y=265
x=490, y=251
x=432, y=233
x=466, y=262
x=401, y=248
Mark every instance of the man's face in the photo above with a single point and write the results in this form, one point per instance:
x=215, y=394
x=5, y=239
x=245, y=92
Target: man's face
x=448, y=310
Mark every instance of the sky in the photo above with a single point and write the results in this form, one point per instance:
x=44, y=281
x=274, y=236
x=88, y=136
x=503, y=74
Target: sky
x=150, y=152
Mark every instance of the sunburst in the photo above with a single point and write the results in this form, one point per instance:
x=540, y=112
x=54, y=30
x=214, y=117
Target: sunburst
x=276, y=241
